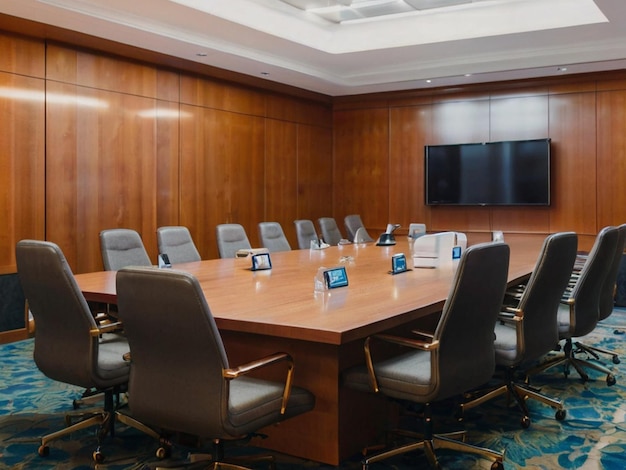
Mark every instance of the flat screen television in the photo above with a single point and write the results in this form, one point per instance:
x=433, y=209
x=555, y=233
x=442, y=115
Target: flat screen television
x=511, y=173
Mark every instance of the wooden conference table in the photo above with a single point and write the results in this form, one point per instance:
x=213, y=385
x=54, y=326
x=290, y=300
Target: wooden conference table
x=261, y=312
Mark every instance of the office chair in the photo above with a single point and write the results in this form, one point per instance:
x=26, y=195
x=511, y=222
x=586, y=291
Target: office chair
x=305, y=231
x=458, y=357
x=329, y=230
x=181, y=380
x=177, y=243
x=70, y=346
x=578, y=312
x=527, y=328
x=607, y=297
x=230, y=239
x=122, y=247
x=272, y=237
x=353, y=223
x=361, y=236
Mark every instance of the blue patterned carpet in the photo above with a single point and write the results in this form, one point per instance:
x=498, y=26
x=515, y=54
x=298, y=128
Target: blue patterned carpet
x=593, y=436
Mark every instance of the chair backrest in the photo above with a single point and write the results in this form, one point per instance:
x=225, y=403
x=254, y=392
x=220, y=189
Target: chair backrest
x=329, y=230
x=584, y=295
x=177, y=353
x=540, y=300
x=361, y=236
x=466, y=355
x=272, y=237
x=121, y=247
x=177, y=243
x=65, y=350
x=230, y=239
x=352, y=223
x=607, y=295
x=305, y=231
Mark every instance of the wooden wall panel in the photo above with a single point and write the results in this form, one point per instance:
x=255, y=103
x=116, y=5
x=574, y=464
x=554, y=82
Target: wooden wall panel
x=410, y=129
x=204, y=92
x=22, y=163
x=315, y=173
x=168, y=118
x=518, y=118
x=361, y=166
x=611, y=174
x=221, y=174
x=573, y=133
x=281, y=176
x=22, y=56
x=101, y=170
x=293, y=110
x=68, y=65
x=460, y=122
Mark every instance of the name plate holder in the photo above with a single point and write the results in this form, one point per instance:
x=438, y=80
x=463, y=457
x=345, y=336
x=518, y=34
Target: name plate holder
x=331, y=278
x=261, y=261
x=398, y=264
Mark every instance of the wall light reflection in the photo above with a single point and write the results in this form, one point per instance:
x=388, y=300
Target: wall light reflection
x=163, y=113
x=51, y=97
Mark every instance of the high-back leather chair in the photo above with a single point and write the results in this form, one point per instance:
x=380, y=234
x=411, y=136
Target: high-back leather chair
x=459, y=355
x=355, y=229
x=181, y=378
x=122, y=247
x=579, y=308
x=176, y=242
x=607, y=296
x=329, y=230
x=230, y=239
x=527, y=327
x=272, y=237
x=305, y=231
x=70, y=346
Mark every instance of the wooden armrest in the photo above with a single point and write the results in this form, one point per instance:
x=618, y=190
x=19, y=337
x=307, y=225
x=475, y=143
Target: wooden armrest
x=244, y=369
x=106, y=328
x=411, y=343
x=423, y=334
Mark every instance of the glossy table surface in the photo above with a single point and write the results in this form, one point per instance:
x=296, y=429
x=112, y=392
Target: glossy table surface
x=282, y=301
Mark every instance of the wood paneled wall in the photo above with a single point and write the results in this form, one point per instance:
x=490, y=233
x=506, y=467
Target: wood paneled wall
x=379, y=153
x=91, y=141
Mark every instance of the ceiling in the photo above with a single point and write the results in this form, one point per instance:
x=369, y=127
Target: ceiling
x=346, y=47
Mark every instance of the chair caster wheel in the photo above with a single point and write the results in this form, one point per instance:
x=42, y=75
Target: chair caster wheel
x=560, y=415
x=610, y=380
x=98, y=456
x=615, y=360
x=497, y=466
x=525, y=422
x=162, y=453
x=43, y=451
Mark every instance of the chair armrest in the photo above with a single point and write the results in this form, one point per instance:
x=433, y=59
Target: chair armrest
x=234, y=372
x=411, y=343
x=510, y=315
x=106, y=328
x=423, y=334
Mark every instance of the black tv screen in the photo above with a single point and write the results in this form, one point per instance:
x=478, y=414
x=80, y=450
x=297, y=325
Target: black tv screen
x=483, y=174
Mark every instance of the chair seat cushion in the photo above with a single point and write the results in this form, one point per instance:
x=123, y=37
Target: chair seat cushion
x=255, y=403
x=112, y=369
x=563, y=320
x=406, y=377
x=505, y=345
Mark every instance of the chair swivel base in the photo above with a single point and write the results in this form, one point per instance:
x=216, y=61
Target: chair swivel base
x=568, y=359
x=520, y=392
x=439, y=441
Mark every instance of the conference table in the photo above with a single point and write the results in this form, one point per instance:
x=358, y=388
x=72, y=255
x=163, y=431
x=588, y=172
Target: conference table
x=261, y=312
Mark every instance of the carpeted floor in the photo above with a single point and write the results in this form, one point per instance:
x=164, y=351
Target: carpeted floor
x=593, y=436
